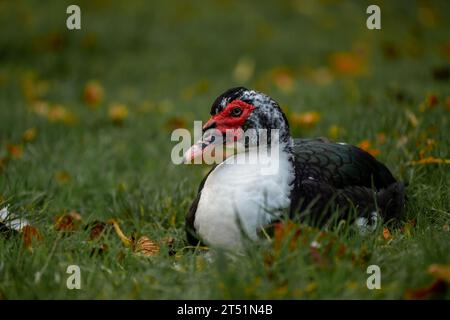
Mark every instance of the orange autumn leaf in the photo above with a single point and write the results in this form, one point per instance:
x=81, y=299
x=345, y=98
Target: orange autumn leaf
x=283, y=78
x=305, y=119
x=93, y=94
x=15, y=150
x=366, y=146
x=386, y=234
x=118, y=112
x=347, y=63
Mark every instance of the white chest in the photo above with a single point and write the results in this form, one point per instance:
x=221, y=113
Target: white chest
x=239, y=196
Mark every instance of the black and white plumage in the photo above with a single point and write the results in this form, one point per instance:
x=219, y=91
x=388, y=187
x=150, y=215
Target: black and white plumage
x=313, y=177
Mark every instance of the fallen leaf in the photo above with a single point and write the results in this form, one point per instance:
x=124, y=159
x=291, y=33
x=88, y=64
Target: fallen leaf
x=29, y=235
x=283, y=79
x=440, y=271
x=59, y=113
x=146, y=246
x=366, y=146
x=386, y=234
x=15, y=150
x=62, y=177
x=142, y=245
x=436, y=289
x=118, y=113
x=305, y=119
x=67, y=222
x=93, y=94
x=97, y=228
x=348, y=63
x=29, y=135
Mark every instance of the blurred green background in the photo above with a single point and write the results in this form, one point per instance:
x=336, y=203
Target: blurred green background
x=86, y=117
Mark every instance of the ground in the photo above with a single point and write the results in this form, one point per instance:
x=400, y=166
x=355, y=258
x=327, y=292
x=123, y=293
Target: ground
x=85, y=123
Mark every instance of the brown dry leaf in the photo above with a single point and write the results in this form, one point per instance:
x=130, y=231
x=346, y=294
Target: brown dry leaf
x=146, y=247
x=437, y=288
x=96, y=229
x=29, y=235
x=68, y=222
x=440, y=271
x=62, y=177
x=142, y=245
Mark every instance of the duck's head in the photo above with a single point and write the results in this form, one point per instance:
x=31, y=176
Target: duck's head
x=241, y=114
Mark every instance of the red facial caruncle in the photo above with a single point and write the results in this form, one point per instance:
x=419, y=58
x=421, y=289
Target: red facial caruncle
x=233, y=116
x=228, y=123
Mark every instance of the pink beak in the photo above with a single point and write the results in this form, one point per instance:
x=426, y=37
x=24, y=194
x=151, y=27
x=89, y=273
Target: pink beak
x=211, y=138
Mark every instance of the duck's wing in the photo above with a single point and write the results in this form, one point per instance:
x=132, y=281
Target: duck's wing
x=340, y=165
x=333, y=175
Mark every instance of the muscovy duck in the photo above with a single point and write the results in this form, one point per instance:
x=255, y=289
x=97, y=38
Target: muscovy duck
x=313, y=177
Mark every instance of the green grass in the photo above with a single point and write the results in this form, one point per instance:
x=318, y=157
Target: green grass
x=167, y=63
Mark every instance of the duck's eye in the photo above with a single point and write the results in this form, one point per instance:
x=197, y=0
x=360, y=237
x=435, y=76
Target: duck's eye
x=236, y=112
